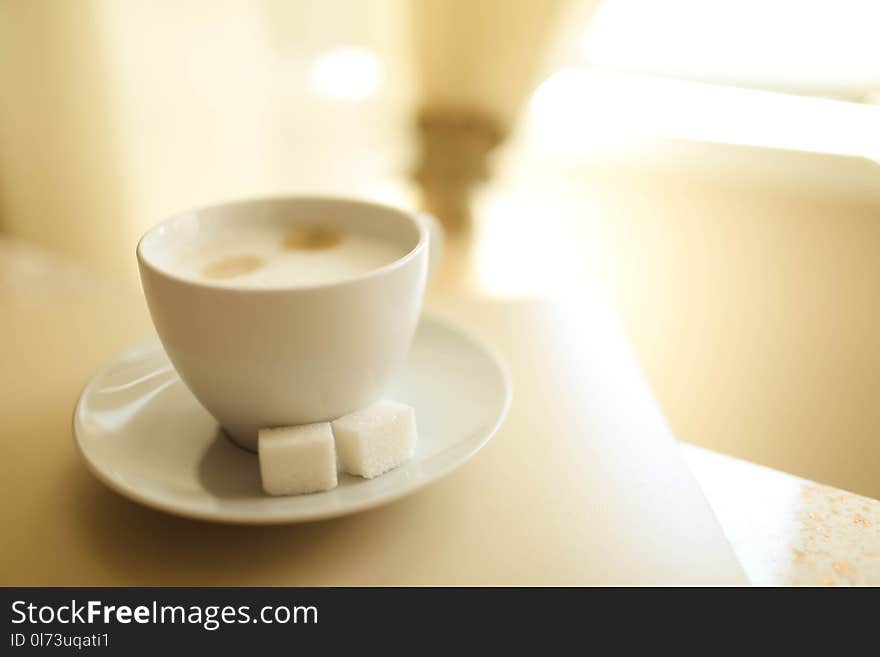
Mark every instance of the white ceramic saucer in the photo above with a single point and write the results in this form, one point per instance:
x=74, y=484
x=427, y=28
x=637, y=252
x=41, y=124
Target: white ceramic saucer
x=143, y=434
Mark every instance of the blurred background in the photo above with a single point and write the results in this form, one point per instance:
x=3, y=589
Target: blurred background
x=711, y=164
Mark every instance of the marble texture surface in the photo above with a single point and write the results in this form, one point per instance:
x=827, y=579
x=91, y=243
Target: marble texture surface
x=787, y=530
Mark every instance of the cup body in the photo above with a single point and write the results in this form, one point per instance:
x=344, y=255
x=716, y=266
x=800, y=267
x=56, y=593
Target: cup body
x=285, y=355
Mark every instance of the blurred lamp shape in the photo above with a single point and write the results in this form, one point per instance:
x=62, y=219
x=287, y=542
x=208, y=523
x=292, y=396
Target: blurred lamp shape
x=346, y=74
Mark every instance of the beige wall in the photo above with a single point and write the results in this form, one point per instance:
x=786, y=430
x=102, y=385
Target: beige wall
x=747, y=281
x=125, y=111
x=60, y=178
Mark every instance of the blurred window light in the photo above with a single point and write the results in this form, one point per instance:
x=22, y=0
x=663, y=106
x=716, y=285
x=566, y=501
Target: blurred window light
x=577, y=109
x=517, y=254
x=346, y=74
x=807, y=46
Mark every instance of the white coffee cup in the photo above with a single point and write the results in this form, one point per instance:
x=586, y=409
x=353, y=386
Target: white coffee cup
x=289, y=354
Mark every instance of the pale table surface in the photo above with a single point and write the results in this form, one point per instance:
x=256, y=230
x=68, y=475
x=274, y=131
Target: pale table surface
x=58, y=324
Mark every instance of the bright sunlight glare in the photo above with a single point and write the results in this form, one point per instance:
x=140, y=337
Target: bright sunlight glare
x=577, y=108
x=346, y=74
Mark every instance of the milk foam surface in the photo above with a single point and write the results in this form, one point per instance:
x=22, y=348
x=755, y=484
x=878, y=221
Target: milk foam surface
x=269, y=257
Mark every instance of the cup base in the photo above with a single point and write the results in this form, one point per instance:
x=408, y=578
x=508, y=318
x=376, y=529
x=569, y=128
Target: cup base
x=247, y=443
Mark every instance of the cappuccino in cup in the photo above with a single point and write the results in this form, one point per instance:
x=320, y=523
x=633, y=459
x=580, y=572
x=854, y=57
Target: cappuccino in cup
x=287, y=311
x=273, y=255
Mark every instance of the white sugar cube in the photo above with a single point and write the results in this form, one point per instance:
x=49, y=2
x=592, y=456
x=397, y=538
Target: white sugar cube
x=376, y=439
x=296, y=460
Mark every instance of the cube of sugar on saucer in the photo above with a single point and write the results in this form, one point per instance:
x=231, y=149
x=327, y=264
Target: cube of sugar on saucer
x=296, y=460
x=376, y=439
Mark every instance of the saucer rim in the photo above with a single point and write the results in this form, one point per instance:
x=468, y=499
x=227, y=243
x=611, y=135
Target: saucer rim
x=475, y=444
